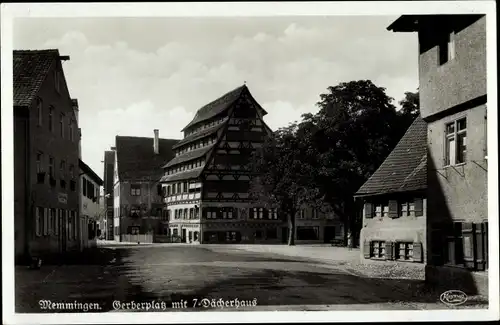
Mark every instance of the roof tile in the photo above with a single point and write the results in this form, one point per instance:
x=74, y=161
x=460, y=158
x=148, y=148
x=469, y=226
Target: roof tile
x=136, y=158
x=405, y=169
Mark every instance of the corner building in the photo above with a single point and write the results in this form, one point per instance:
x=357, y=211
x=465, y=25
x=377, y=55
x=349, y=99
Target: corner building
x=207, y=183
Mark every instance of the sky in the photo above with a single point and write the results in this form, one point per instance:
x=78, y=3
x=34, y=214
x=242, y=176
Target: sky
x=134, y=75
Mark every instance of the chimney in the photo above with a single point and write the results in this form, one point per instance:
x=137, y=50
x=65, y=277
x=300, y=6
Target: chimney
x=156, y=143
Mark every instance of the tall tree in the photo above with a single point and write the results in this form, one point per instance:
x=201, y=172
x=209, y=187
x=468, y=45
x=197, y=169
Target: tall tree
x=410, y=107
x=353, y=132
x=284, y=176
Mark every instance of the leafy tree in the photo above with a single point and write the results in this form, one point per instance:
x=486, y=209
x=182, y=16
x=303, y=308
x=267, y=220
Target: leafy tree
x=283, y=176
x=353, y=132
x=410, y=107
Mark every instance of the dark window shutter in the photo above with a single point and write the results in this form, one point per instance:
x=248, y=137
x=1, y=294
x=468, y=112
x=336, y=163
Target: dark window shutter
x=468, y=245
x=368, y=210
x=389, y=250
x=393, y=209
x=417, y=252
x=480, y=247
x=437, y=246
x=366, y=249
x=419, y=207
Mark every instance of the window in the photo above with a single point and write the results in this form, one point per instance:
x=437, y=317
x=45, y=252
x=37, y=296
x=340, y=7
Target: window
x=307, y=233
x=61, y=124
x=51, y=119
x=75, y=224
x=134, y=230
x=51, y=167
x=135, y=189
x=447, y=48
x=377, y=249
x=315, y=214
x=72, y=171
x=62, y=166
x=39, y=162
x=39, y=221
x=39, y=109
x=253, y=213
x=185, y=187
x=456, y=142
x=302, y=213
x=185, y=213
x=406, y=208
x=56, y=221
x=382, y=209
x=404, y=251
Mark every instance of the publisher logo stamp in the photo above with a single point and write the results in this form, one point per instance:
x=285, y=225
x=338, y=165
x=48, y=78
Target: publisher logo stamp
x=453, y=297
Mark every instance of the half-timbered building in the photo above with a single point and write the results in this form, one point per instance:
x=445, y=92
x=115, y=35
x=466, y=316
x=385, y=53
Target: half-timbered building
x=207, y=183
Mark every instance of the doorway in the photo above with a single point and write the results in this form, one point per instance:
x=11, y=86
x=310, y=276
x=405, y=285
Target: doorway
x=184, y=235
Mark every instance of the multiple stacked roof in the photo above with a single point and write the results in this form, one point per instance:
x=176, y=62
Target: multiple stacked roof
x=217, y=109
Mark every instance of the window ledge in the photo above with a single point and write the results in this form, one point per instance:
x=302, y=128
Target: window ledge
x=456, y=165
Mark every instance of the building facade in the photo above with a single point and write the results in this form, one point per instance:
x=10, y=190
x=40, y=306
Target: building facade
x=207, y=183
x=89, y=205
x=46, y=153
x=395, y=202
x=109, y=178
x=313, y=226
x=138, y=197
x=453, y=78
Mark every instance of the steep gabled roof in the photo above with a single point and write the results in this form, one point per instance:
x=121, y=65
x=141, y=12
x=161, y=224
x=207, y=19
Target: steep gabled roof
x=184, y=175
x=30, y=68
x=219, y=105
x=136, y=158
x=190, y=155
x=405, y=169
x=199, y=135
x=89, y=172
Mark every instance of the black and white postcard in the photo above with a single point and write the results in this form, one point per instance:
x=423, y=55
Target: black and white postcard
x=249, y=162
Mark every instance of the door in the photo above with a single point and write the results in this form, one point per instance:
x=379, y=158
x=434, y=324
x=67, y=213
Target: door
x=284, y=235
x=329, y=234
x=62, y=230
x=184, y=235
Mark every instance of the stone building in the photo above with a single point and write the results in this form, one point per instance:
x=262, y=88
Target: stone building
x=137, y=194
x=89, y=205
x=452, y=83
x=46, y=155
x=395, y=197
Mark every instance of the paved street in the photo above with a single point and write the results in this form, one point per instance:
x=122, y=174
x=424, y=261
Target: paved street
x=179, y=273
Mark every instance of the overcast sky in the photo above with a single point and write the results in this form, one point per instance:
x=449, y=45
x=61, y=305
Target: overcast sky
x=132, y=75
